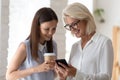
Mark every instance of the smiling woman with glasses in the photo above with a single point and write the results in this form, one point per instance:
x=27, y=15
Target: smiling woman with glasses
x=91, y=57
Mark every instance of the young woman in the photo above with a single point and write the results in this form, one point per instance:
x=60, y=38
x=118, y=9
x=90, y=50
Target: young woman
x=28, y=61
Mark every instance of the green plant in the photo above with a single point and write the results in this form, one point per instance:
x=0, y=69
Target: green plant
x=99, y=13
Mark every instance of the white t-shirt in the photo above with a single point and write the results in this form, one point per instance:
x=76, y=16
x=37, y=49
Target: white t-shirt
x=94, y=61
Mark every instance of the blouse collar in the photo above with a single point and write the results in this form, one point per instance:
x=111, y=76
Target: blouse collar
x=95, y=37
x=41, y=47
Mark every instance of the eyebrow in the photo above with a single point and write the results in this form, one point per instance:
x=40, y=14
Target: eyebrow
x=75, y=22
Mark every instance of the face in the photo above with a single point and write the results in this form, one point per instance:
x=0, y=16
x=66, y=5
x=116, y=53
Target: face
x=77, y=27
x=47, y=29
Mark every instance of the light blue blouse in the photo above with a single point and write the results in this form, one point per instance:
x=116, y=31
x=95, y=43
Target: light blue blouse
x=30, y=62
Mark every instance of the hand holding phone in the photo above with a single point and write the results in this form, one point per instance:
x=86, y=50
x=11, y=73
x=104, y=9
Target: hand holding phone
x=63, y=61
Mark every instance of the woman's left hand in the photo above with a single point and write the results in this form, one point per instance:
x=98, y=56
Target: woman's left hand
x=65, y=71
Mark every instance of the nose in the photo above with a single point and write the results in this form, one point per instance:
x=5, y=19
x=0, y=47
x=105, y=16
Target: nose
x=75, y=29
x=51, y=32
x=75, y=26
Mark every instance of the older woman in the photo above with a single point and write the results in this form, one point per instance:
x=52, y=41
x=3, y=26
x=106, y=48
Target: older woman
x=91, y=57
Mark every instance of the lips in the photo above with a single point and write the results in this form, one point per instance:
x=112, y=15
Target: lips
x=48, y=37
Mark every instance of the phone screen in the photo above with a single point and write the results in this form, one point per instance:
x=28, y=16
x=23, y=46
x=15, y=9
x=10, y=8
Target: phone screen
x=63, y=61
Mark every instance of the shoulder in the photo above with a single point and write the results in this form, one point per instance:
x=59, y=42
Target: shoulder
x=98, y=37
x=103, y=40
x=22, y=47
x=104, y=37
x=26, y=42
x=21, y=51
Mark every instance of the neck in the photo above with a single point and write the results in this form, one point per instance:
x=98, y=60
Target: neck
x=86, y=38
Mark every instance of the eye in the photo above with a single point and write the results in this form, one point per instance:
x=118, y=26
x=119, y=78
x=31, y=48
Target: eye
x=47, y=29
x=73, y=24
x=54, y=28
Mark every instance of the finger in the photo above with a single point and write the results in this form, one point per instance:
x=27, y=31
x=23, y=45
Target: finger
x=61, y=67
x=46, y=62
x=61, y=70
x=70, y=65
x=52, y=61
x=64, y=66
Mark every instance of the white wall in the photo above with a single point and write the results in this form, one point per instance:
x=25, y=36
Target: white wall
x=111, y=15
x=4, y=29
x=0, y=25
x=20, y=19
x=60, y=32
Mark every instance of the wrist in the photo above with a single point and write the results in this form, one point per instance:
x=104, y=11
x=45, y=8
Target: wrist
x=34, y=70
x=74, y=73
x=63, y=79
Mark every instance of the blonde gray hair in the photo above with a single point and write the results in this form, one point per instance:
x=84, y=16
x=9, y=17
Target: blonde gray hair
x=79, y=11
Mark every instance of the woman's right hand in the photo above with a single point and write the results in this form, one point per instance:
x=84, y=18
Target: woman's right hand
x=45, y=66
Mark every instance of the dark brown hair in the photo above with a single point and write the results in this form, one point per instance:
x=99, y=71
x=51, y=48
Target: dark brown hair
x=42, y=15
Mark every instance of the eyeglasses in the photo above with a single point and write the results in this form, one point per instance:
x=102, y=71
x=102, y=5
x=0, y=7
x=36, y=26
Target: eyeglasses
x=71, y=26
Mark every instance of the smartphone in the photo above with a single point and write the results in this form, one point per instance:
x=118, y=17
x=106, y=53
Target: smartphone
x=63, y=61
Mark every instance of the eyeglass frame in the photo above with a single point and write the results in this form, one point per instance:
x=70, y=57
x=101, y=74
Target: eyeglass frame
x=71, y=26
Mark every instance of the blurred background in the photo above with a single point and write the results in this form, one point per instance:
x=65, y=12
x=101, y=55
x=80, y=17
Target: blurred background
x=15, y=24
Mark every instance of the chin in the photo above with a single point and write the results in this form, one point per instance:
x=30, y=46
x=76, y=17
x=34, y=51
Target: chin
x=78, y=36
x=47, y=39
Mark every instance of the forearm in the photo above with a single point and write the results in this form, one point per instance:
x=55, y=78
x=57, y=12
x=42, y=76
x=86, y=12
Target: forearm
x=20, y=73
x=99, y=76
x=58, y=78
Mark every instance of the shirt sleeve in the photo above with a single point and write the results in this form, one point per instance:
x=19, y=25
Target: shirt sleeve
x=82, y=76
x=106, y=65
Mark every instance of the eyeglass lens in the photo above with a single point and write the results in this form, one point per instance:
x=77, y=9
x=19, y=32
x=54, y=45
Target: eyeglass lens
x=71, y=27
